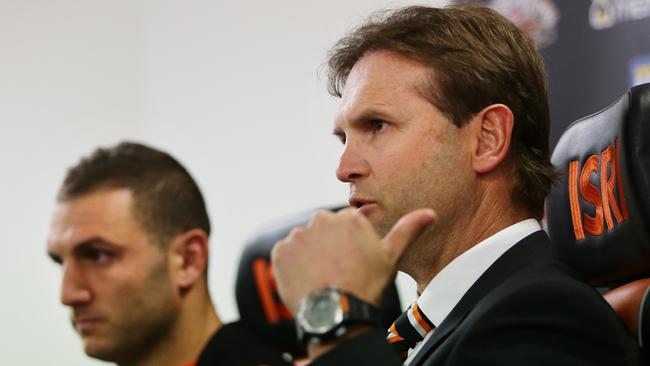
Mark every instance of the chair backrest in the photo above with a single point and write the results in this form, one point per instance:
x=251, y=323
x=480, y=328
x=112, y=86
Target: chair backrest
x=598, y=216
x=260, y=307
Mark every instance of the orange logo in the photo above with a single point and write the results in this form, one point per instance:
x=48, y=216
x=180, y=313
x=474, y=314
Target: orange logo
x=274, y=309
x=602, y=197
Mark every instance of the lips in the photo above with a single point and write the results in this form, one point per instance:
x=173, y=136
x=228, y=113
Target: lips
x=360, y=202
x=84, y=324
x=364, y=206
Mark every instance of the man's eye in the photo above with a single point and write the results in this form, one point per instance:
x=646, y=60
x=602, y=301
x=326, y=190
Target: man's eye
x=377, y=124
x=97, y=256
x=102, y=257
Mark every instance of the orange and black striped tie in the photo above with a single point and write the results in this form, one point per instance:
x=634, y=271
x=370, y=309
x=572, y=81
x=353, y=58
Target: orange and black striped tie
x=409, y=329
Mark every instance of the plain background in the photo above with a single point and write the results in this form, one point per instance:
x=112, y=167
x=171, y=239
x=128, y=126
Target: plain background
x=229, y=88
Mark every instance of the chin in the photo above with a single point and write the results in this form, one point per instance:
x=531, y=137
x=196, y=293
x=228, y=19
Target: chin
x=382, y=228
x=384, y=223
x=376, y=222
x=95, y=348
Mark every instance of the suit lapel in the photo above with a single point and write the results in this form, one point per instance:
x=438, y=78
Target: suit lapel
x=532, y=249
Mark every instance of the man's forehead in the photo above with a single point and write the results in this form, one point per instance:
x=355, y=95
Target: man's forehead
x=379, y=80
x=389, y=67
x=105, y=204
x=89, y=215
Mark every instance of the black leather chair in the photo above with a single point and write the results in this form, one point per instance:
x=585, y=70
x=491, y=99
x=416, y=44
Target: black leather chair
x=598, y=216
x=260, y=307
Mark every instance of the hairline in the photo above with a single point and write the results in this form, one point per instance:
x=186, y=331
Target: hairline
x=135, y=207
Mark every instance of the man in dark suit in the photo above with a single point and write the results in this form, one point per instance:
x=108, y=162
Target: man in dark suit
x=130, y=232
x=445, y=110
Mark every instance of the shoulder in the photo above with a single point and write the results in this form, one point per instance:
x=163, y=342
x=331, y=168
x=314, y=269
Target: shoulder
x=541, y=313
x=547, y=293
x=234, y=344
x=549, y=284
x=529, y=275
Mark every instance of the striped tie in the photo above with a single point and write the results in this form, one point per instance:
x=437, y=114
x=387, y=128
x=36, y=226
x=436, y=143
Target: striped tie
x=409, y=329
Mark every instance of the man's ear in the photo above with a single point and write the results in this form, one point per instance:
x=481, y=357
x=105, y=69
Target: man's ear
x=189, y=258
x=493, y=137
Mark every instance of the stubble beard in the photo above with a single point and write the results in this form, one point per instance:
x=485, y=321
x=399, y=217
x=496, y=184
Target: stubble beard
x=416, y=252
x=144, y=323
x=423, y=254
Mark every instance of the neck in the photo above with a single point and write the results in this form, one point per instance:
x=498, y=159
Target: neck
x=196, y=324
x=491, y=214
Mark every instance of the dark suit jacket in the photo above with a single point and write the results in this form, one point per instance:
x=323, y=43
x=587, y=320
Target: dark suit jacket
x=526, y=309
x=235, y=345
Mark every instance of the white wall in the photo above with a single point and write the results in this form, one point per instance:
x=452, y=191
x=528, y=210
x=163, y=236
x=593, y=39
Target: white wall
x=230, y=88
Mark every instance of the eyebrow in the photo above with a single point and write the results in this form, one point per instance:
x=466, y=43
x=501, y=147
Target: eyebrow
x=83, y=245
x=370, y=113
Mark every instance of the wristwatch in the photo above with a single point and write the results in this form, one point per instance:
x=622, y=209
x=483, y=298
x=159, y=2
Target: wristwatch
x=327, y=314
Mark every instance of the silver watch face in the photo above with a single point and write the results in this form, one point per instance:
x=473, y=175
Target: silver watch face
x=321, y=312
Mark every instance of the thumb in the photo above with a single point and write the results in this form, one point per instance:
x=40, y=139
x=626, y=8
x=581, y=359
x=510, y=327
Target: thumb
x=406, y=230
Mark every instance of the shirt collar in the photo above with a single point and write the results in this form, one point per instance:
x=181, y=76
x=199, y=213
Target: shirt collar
x=447, y=288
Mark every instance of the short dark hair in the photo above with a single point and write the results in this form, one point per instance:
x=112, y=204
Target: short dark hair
x=166, y=199
x=477, y=58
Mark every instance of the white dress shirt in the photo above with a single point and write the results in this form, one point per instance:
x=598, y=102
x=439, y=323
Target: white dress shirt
x=447, y=288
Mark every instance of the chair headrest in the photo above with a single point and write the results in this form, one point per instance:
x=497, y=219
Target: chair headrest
x=260, y=307
x=598, y=215
x=632, y=305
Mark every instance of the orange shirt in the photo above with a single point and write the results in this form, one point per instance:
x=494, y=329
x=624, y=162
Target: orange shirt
x=190, y=363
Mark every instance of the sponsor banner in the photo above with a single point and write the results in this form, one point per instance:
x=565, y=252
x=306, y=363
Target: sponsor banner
x=608, y=13
x=538, y=18
x=640, y=70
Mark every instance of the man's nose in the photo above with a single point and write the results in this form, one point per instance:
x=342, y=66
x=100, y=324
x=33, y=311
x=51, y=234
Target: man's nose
x=352, y=164
x=74, y=288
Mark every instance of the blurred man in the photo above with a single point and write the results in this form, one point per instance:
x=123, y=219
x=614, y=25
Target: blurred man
x=445, y=110
x=130, y=232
